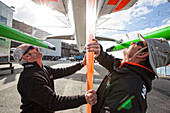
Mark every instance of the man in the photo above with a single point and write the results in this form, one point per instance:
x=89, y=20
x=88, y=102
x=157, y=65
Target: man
x=36, y=84
x=125, y=88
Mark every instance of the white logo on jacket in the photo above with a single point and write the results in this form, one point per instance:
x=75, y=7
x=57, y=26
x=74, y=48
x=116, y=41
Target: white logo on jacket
x=51, y=76
x=143, y=93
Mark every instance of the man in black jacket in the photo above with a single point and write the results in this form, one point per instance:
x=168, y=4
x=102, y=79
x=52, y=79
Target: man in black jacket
x=125, y=88
x=36, y=84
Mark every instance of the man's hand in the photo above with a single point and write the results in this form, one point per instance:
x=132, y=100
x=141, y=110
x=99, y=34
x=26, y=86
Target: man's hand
x=94, y=47
x=91, y=97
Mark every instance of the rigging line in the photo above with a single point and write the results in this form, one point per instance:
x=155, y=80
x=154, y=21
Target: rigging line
x=61, y=20
x=44, y=26
x=112, y=29
x=54, y=26
x=135, y=8
x=164, y=12
x=151, y=16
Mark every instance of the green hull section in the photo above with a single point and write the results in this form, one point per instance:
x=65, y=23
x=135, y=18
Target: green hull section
x=161, y=33
x=18, y=36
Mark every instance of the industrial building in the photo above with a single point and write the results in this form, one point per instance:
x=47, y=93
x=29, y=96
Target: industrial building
x=62, y=49
x=6, y=16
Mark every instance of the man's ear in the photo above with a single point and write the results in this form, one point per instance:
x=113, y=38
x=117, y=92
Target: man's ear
x=26, y=57
x=142, y=55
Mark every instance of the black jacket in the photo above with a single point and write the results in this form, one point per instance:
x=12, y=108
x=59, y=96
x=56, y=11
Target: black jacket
x=125, y=89
x=36, y=88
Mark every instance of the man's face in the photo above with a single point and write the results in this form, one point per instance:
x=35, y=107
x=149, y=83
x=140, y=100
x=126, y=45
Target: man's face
x=130, y=52
x=34, y=53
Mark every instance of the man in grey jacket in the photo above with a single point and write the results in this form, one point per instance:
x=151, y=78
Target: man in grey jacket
x=125, y=88
x=36, y=84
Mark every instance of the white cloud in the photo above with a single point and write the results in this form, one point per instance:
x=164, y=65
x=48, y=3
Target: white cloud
x=168, y=22
x=158, y=2
x=165, y=20
x=140, y=11
x=144, y=18
x=118, y=20
x=133, y=35
x=129, y=22
x=151, y=2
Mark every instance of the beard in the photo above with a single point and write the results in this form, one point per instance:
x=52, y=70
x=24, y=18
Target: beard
x=39, y=55
x=127, y=54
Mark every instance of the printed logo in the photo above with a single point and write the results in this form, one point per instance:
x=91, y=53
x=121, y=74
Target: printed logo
x=143, y=93
x=108, y=82
x=51, y=76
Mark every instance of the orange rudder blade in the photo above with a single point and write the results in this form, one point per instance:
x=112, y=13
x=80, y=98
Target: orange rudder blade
x=90, y=72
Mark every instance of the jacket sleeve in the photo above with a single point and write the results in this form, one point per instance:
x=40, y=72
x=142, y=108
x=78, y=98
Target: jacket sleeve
x=62, y=72
x=36, y=90
x=108, y=61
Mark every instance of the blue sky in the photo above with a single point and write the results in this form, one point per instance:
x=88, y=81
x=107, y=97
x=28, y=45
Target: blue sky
x=157, y=16
x=143, y=17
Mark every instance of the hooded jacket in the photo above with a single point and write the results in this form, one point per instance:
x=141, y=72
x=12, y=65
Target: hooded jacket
x=125, y=88
x=36, y=87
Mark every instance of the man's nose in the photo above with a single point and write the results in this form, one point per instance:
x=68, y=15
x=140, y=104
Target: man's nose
x=36, y=48
x=132, y=43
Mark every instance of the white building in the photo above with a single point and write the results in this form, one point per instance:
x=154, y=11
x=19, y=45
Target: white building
x=6, y=16
x=48, y=54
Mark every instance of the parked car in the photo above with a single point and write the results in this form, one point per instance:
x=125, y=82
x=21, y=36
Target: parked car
x=78, y=58
x=71, y=58
x=11, y=53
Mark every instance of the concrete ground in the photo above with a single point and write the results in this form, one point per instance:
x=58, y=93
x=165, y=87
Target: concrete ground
x=158, y=98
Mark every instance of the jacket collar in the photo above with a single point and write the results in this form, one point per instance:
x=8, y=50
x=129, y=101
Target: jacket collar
x=31, y=65
x=146, y=74
x=129, y=63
